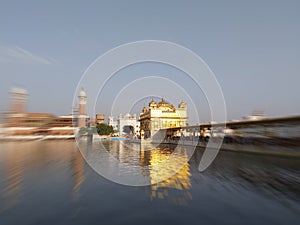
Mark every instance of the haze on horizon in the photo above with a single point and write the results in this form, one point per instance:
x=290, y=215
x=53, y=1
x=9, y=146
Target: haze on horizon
x=253, y=48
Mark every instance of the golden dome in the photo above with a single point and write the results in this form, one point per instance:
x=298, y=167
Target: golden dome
x=144, y=109
x=182, y=104
x=152, y=102
x=163, y=102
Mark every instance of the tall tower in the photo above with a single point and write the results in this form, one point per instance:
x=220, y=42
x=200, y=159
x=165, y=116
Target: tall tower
x=18, y=100
x=82, y=109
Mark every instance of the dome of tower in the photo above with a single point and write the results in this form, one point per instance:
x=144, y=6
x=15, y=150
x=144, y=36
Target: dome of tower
x=152, y=103
x=82, y=93
x=17, y=90
x=182, y=105
x=163, y=102
x=144, y=109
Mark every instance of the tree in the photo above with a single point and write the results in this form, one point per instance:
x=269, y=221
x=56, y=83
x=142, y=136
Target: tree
x=104, y=129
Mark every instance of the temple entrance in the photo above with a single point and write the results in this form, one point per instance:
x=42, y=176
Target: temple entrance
x=128, y=130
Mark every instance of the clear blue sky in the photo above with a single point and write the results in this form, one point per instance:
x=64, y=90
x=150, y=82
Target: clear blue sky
x=253, y=47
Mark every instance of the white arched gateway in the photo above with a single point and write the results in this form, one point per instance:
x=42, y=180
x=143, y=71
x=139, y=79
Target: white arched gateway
x=126, y=125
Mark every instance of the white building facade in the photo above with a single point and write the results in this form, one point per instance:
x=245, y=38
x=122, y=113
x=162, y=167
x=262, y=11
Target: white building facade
x=127, y=125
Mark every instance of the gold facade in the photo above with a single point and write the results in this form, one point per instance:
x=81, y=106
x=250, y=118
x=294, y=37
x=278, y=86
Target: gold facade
x=162, y=115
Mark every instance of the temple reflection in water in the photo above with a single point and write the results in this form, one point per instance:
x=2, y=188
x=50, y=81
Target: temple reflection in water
x=180, y=181
x=155, y=165
x=37, y=171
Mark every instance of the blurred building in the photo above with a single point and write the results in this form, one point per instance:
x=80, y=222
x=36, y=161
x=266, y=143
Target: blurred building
x=29, y=119
x=19, y=122
x=256, y=115
x=39, y=124
x=100, y=118
x=114, y=123
x=162, y=115
x=18, y=100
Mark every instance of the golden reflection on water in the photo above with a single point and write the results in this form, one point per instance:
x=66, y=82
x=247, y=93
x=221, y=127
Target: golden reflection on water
x=181, y=181
x=78, y=170
x=152, y=160
x=33, y=159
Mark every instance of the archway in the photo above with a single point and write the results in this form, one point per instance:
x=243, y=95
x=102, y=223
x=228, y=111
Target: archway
x=128, y=130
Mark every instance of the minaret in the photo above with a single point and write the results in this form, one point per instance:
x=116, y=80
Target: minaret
x=82, y=109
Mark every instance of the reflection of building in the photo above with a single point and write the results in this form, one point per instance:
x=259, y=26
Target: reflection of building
x=167, y=171
x=78, y=172
x=23, y=163
x=164, y=166
x=162, y=115
x=125, y=125
x=14, y=175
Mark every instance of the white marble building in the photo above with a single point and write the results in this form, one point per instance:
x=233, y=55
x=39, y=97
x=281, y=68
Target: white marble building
x=127, y=125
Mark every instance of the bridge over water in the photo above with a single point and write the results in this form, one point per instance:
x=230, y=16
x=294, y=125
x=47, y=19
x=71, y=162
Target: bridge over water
x=271, y=135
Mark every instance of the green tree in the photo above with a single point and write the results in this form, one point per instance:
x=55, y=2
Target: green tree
x=104, y=129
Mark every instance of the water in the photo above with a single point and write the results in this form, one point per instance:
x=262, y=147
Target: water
x=48, y=182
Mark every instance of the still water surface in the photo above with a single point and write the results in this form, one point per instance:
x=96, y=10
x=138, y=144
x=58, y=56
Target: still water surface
x=48, y=182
